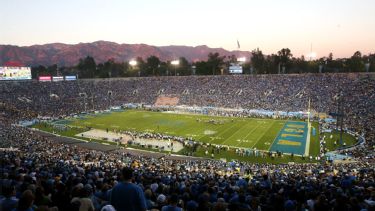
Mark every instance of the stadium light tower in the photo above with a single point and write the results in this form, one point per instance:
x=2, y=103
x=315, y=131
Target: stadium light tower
x=110, y=94
x=84, y=96
x=241, y=59
x=175, y=63
x=308, y=113
x=133, y=63
x=340, y=113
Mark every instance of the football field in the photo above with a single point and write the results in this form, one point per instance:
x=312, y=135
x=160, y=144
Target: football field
x=249, y=133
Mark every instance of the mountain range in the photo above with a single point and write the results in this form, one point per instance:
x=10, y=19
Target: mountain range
x=69, y=54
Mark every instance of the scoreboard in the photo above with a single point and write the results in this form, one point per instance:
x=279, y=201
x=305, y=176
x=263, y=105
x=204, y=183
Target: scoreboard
x=15, y=73
x=235, y=69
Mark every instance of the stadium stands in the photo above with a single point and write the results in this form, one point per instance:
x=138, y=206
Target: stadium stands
x=60, y=174
x=166, y=101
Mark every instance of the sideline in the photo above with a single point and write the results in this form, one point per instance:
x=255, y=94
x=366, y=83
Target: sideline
x=307, y=147
x=100, y=147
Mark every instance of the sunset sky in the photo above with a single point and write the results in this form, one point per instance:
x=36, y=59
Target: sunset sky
x=338, y=26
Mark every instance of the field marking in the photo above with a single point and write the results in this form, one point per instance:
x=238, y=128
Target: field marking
x=202, y=136
x=251, y=132
x=217, y=134
x=188, y=131
x=194, y=128
x=262, y=134
x=289, y=143
x=277, y=136
x=225, y=131
x=191, y=127
x=209, y=132
x=308, y=139
x=234, y=133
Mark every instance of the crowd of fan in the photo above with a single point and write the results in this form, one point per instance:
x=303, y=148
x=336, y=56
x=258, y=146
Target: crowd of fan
x=269, y=92
x=40, y=174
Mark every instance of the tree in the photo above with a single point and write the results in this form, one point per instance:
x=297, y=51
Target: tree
x=355, y=62
x=334, y=65
x=110, y=69
x=105, y=70
x=258, y=62
x=52, y=70
x=370, y=61
x=330, y=57
x=285, y=56
x=201, y=68
x=329, y=65
x=232, y=59
x=184, y=68
x=86, y=67
x=299, y=65
x=122, y=69
x=272, y=64
x=152, y=64
x=67, y=70
x=141, y=66
x=38, y=71
x=246, y=67
x=102, y=72
x=215, y=62
x=163, y=68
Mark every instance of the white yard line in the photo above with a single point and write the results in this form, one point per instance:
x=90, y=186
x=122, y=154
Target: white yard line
x=225, y=131
x=262, y=135
x=234, y=133
x=251, y=132
x=307, y=147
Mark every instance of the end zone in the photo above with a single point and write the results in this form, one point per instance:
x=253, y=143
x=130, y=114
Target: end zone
x=293, y=138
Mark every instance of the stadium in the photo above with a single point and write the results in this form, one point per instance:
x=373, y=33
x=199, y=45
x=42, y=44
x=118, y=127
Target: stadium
x=187, y=105
x=227, y=125
x=233, y=117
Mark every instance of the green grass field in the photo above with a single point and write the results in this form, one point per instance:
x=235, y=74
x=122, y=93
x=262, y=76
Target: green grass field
x=247, y=133
x=348, y=139
x=234, y=132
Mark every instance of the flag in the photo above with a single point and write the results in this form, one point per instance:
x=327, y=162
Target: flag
x=238, y=44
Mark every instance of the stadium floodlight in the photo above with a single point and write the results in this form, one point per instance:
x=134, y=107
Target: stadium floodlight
x=175, y=63
x=241, y=59
x=311, y=55
x=133, y=62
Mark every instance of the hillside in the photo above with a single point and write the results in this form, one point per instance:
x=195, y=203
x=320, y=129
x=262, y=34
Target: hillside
x=69, y=55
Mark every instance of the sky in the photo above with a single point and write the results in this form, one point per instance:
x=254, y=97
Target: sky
x=338, y=26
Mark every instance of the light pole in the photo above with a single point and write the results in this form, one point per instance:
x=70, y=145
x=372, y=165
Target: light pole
x=110, y=99
x=84, y=96
x=367, y=65
x=133, y=63
x=175, y=63
x=92, y=101
x=241, y=61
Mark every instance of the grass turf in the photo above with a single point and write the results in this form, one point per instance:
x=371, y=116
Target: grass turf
x=348, y=139
x=233, y=132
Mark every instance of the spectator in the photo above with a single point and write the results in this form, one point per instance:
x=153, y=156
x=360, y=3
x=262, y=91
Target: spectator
x=172, y=206
x=62, y=171
x=9, y=202
x=26, y=201
x=126, y=195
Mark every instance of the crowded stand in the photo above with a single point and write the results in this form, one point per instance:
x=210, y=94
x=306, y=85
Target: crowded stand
x=38, y=173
